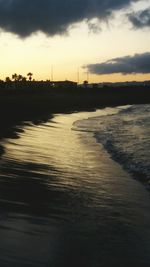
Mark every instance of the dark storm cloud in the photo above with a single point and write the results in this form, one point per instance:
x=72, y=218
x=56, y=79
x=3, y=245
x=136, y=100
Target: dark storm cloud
x=140, y=19
x=25, y=17
x=139, y=63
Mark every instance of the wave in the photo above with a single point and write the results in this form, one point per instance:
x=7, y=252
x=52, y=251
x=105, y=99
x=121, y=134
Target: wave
x=125, y=133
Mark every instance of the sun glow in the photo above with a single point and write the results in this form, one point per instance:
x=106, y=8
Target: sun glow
x=68, y=54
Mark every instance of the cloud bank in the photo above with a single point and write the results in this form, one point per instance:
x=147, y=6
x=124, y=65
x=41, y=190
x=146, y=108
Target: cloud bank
x=140, y=19
x=24, y=17
x=139, y=63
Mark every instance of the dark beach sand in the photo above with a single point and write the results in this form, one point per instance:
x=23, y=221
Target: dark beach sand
x=65, y=202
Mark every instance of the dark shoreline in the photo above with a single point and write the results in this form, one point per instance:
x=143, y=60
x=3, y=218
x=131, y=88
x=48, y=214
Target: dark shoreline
x=36, y=105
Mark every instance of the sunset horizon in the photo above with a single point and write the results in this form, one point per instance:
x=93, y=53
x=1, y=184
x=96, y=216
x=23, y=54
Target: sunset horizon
x=92, y=34
x=74, y=133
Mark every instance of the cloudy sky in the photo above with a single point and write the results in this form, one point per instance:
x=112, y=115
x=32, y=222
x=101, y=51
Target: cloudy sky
x=110, y=39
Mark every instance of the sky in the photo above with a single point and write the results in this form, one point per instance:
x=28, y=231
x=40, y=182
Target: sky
x=98, y=40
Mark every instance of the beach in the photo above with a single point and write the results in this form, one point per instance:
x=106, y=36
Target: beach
x=66, y=202
x=75, y=133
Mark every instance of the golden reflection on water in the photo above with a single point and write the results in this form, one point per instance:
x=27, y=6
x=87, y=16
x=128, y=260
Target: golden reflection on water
x=72, y=157
x=53, y=140
x=74, y=198
x=53, y=144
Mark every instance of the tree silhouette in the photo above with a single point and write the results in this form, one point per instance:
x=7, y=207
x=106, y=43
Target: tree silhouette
x=30, y=76
x=85, y=83
x=7, y=80
x=19, y=78
x=24, y=79
x=14, y=77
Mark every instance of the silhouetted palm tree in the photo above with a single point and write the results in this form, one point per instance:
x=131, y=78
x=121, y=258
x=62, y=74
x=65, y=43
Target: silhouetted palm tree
x=14, y=77
x=7, y=80
x=30, y=76
x=19, y=77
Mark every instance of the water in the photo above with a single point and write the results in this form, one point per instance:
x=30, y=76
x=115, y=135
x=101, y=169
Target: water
x=125, y=133
x=64, y=201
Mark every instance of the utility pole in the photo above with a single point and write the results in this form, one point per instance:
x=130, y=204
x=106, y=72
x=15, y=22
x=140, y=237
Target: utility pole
x=78, y=76
x=87, y=76
x=52, y=73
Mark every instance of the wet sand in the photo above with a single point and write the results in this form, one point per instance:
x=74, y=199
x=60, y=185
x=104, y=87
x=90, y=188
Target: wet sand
x=65, y=202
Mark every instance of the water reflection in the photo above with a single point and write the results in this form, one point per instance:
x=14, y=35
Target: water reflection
x=64, y=202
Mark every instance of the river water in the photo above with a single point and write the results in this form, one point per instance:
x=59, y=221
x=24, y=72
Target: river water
x=66, y=200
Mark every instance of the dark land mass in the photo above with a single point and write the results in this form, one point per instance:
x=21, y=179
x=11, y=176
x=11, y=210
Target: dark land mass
x=36, y=101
